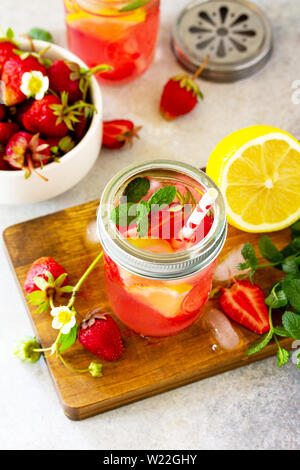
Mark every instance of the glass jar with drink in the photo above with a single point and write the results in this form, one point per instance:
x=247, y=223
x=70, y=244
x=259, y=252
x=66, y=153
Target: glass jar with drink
x=120, y=33
x=161, y=239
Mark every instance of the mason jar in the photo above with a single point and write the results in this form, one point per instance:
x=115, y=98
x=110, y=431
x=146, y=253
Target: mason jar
x=120, y=33
x=157, y=285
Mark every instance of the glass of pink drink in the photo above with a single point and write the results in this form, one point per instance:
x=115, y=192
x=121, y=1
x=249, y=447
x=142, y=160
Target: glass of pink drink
x=158, y=281
x=113, y=32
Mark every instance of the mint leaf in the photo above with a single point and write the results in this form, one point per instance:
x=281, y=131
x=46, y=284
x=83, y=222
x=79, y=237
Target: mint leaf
x=295, y=228
x=124, y=214
x=164, y=196
x=276, y=299
x=291, y=322
x=290, y=266
x=260, y=344
x=134, y=5
x=291, y=288
x=281, y=331
x=269, y=250
x=137, y=189
x=69, y=339
x=142, y=218
x=39, y=33
x=282, y=357
x=249, y=256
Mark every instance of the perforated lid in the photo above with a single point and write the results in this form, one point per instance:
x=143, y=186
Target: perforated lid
x=236, y=34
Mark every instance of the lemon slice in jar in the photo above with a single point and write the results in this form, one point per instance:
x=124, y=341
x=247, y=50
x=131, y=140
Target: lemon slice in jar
x=258, y=172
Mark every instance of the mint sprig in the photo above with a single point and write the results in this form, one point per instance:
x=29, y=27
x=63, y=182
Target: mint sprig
x=137, y=189
x=284, y=294
x=127, y=213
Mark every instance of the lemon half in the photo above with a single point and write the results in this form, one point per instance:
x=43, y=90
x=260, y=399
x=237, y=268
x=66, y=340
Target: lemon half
x=258, y=172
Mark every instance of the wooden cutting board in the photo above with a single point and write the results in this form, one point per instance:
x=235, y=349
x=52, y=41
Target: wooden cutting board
x=149, y=366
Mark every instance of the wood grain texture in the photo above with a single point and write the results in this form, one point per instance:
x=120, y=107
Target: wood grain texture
x=149, y=366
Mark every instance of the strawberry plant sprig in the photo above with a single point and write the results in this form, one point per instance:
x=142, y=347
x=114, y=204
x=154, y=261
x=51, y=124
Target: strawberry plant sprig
x=43, y=289
x=285, y=294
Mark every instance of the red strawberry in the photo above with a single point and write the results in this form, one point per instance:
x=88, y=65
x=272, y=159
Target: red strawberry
x=40, y=268
x=52, y=117
x=7, y=129
x=70, y=77
x=100, y=335
x=11, y=78
x=62, y=77
x=7, y=49
x=2, y=111
x=80, y=127
x=27, y=151
x=118, y=133
x=180, y=95
x=245, y=304
x=44, y=279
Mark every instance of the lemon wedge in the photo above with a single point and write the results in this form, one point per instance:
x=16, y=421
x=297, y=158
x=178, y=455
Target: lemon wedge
x=258, y=172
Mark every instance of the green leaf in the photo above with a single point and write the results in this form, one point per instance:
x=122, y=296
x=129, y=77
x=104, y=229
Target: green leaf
x=142, y=218
x=39, y=33
x=66, y=289
x=296, y=227
x=43, y=307
x=124, y=214
x=291, y=322
x=134, y=5
x=290, y=266
x=40, y=282
x=36, y=297
x=249, y=256
x=281, y=331
x=10, y=34
x=276, y=299
x=282, y=357
x=260, y=344
x=60, y=280
x=50, y=277
x=137, y=189
x=68, y=340
x=164, y=196
x=269, y=250
x=291, y=288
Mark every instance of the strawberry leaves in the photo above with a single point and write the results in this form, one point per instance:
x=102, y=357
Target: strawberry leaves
x=43, y=297
x=66, y=341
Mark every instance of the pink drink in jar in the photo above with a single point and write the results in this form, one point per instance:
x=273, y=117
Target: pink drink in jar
x=113, y=32
x=157, y=281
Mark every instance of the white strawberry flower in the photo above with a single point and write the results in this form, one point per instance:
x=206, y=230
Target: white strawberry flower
x=64, y=319
x=34, y=84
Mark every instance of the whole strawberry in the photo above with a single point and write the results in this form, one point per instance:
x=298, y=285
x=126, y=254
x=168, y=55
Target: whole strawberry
x=52, y=116
x=118, y=133
x=12, y=75
x=44, y=279
x=7, y=47
x=68, y=76
x=7, y=129
x=244, y=303
x=180, y=95
x=100, y=335
x=27, y=151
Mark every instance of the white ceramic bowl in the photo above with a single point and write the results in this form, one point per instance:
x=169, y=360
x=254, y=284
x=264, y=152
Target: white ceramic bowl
x=73, y=166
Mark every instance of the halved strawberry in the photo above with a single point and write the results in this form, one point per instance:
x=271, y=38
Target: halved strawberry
x=245, y=304
x=118, y=133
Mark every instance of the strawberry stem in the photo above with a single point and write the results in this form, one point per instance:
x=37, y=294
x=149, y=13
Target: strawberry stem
x=68, y=365
x=82, y=279
x=31, y=168
x=201, y=68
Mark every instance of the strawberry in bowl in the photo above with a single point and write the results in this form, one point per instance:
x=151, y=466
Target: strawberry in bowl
x=51, y=112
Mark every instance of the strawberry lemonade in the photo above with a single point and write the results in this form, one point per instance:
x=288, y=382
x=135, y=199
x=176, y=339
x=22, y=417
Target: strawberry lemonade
x=120, y=33
x=158, y=281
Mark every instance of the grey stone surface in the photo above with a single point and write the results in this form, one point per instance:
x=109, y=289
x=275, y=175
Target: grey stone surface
x=254, y=407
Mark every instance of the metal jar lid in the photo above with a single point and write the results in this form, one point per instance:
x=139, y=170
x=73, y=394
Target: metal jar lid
x=236, y=34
